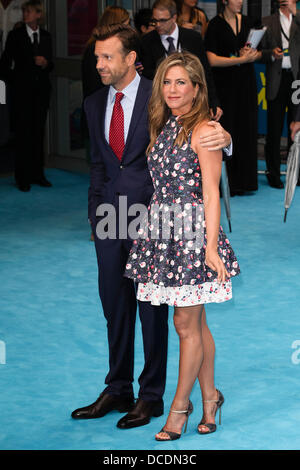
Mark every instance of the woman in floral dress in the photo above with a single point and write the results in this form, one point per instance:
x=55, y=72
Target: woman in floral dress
x=182, y=256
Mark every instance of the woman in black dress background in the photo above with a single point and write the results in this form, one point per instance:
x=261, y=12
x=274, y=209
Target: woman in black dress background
x=234, y=75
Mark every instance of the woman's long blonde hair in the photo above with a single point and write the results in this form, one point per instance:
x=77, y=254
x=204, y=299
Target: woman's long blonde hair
x=159, y=111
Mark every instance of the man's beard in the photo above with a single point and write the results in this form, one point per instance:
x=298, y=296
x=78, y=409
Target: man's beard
x=112, y=77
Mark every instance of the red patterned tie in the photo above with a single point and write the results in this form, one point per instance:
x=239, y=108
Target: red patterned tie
x=116, y=130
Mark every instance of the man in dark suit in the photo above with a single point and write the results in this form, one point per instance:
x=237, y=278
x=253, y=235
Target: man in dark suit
x=117, y=117
x=25, y=66
x=281, y=52
x=168, y=37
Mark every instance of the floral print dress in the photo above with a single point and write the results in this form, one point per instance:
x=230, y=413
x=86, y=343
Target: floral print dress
x=168, y=257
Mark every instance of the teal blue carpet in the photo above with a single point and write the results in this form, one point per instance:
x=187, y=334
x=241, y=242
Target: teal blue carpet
x=54, y=334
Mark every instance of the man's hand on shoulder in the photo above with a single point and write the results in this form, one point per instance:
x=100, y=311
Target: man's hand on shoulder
x=216, y=139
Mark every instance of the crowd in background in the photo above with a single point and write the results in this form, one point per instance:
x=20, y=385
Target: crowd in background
x=233, y=88
x=221, y=46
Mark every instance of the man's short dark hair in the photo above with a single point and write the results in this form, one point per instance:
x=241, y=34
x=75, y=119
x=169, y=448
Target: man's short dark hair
x=142, y=18
x=169, y=5
x=36, y=4
x=127, y=35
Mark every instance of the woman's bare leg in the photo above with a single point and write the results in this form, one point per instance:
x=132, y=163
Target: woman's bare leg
x=187, y=321
x=206, y=374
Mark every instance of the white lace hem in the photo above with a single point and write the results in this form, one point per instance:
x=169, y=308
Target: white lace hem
x=186, y=295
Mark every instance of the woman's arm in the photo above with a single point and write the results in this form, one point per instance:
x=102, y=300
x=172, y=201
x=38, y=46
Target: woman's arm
x=204, y=24
x=211, y=167
x=215, y=60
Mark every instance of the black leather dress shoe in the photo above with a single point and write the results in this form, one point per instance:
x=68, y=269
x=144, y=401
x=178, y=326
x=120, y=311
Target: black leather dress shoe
x=42, y=182
x=25, y=187
x=236, y=193
x=275, y=182
x=141, y=414
x=103, y=405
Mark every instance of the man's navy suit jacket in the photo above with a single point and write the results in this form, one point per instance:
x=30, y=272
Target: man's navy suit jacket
x=110, y=178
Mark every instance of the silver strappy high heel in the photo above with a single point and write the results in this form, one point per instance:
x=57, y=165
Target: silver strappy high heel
x=175, y=435
x=212, y=426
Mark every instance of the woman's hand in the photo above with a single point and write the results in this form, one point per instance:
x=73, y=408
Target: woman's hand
x=249, y=55
x=243, y=50
x=218, y=115
x=214, y=262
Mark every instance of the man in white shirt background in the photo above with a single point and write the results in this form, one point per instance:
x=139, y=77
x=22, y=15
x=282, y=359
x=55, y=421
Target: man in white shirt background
x=10, y=15
x=281, y=52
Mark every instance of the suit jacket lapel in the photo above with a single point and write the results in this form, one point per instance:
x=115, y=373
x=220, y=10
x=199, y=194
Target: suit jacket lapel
x=42, y=41
x=293, y=29
x=180, y=39
x=277, y=30
x=102, y=111
x=157, y=47
x=27, y=38
x=139, y=106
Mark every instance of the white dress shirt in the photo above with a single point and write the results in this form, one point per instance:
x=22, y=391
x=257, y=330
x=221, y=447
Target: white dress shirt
x=175, y=36
x=286, y=26
x=127, y=104
x=31, y=31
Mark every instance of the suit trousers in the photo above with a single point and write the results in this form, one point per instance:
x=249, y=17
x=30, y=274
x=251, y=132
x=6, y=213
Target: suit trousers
x=118, y=297
x=275, y=121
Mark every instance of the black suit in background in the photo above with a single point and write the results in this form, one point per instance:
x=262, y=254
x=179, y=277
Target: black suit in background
x=279, y=87
x=153, y=51
x=30, y=88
